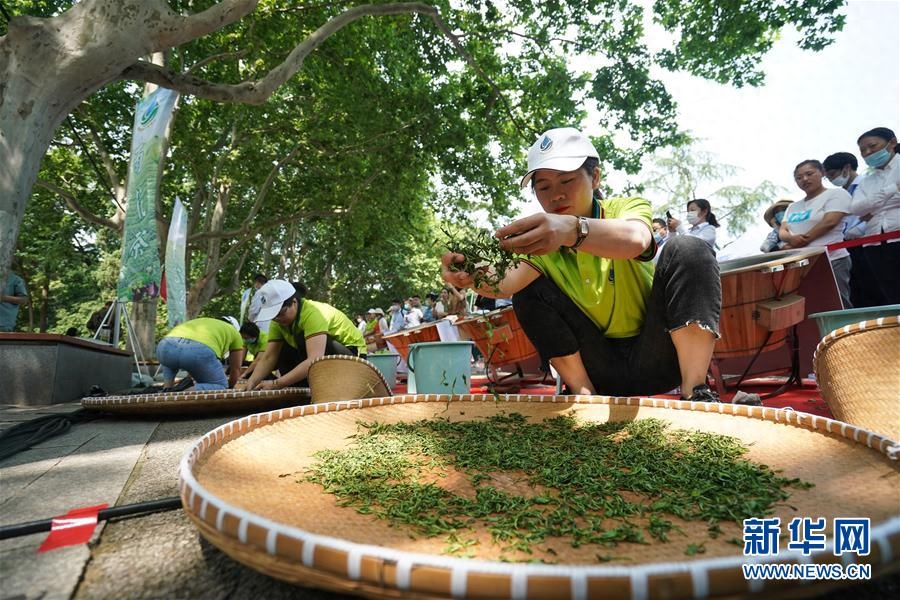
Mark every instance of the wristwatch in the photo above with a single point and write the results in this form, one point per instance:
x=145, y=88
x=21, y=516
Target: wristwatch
x=581, y=230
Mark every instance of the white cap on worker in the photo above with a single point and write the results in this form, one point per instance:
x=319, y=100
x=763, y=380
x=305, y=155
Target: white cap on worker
x=561, y=149
x=271, y=296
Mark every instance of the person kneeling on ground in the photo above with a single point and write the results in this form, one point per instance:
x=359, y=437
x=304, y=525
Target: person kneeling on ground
x=587, y=295
x=301, y=331
x=198, y=346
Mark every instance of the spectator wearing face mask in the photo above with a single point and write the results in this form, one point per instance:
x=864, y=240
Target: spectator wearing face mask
x=702, y=222
x=877, y=201
x=396, y=313
x=660, y=235
x=773, y=216
x=414, y=315
x=840, y=170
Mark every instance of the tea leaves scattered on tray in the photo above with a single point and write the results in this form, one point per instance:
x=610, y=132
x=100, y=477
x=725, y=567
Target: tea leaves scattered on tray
x=527, y=483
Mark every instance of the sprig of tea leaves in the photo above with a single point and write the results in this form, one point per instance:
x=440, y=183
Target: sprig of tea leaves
x=485, y=260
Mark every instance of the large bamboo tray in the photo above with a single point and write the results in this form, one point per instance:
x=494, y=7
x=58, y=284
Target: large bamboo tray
x=239, y=486
x=193, y=402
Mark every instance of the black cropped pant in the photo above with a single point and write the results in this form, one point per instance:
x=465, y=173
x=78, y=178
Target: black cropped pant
x=686, y=289
x=290, y=357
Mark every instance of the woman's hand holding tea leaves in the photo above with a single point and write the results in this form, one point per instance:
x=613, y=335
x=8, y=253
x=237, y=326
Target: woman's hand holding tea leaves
x=540, y=233
x=477, y=260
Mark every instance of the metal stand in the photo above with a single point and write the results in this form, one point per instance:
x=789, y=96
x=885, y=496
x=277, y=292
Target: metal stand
x=793, y=380
x=116, y=315
x=510, y=381
x=492, y=373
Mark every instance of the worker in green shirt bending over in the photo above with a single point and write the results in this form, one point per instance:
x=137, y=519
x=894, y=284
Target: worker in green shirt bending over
x=301, y=331
x=199, y=346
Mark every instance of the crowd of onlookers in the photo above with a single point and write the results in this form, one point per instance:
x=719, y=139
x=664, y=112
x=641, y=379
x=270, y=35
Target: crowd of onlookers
x=856, y=206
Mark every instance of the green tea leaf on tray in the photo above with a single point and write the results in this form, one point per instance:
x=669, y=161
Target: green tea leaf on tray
x=560, y=481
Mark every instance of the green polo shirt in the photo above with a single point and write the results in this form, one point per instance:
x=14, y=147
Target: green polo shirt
x=316, y=318
x=612, y=292
x=219, y=335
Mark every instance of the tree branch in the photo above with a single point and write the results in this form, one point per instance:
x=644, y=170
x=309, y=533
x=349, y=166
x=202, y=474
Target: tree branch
x=215, y=57
x=264, y=188
x=235, y=282
x=115, y=184
x=259, y=91
x=76, y=206
x=454, y=40
x=532, y=38
x=175, y=30
x=270, y=224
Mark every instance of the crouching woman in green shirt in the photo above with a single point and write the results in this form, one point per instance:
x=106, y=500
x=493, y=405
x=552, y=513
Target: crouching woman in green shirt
x=301, y=331
x=587, y=294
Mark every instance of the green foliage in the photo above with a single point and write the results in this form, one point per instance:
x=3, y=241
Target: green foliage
x=725, y=42
x=485, y=260
x=56, y=260
x=739, y=206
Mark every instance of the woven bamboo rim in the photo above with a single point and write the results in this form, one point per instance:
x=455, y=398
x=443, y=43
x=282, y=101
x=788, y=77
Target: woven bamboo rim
x=236, y=484
x=343, y=377
x=857, y=372
x=198, y=402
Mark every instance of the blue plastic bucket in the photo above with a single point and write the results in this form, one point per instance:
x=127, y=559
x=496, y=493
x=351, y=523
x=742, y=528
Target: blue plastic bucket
x=387, y=364
x=440, y=368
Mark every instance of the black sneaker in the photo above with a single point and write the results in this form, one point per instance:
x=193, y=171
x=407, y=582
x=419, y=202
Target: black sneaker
x=182, y=385
x=702, y=393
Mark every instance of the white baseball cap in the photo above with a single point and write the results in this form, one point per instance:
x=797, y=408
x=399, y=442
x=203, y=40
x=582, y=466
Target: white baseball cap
x=271, y=296
x=561, y=149
x=233, y=321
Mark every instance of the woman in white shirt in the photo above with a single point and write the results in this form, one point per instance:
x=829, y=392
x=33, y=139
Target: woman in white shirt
x=702, y=222
x=877, y=201
x=817, y=220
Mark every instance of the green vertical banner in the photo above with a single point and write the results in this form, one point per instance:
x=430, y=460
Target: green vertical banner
x=139, y=277
x=176, y=281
